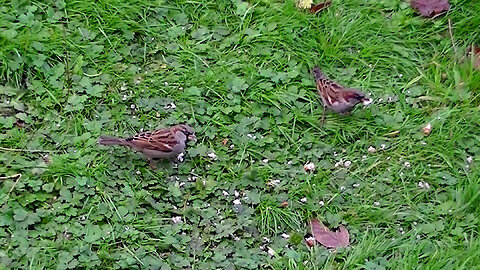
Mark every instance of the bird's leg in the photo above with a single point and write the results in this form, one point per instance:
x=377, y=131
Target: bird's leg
x=152, y=164
x=322, y=121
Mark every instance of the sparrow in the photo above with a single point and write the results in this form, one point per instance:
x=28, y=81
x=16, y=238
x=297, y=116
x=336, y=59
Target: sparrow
x=165, y=143
x=336, y=97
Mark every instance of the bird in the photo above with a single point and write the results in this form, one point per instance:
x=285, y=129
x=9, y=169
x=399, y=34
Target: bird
x=335, y=96
x=166, y=143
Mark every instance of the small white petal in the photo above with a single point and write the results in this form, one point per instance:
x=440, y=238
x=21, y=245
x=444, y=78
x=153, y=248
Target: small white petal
x=367, y=102
x=347, y=163
x=237, y=202
x=273, y=183
x=303, y=200
x=423, y=184
x=286, y=236
x=180, y=157
x=177, y=219
x=212, y=155
x=270, y=251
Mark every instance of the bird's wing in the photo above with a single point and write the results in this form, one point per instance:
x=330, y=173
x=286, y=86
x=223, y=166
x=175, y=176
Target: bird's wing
x=159, y=140
x=330, y=91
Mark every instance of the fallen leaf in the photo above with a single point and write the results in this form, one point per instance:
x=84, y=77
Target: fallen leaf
x=284, y=204
x=309, y=167
x=474, y=51
x=224, y=141
x=304, y=4
x=20, y=123
x=430, y=8
x=319, y=7
x=47, y=159
x=310, y=241
x=327, y=238
x=427, y=129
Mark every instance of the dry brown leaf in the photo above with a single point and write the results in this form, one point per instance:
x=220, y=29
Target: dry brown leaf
x=47, y=159
x=430, y=8
x=20, y=123
x=427, y=129
x=310, y=241
x=304, y=4
x=224, y=141
x=327, y=238
x=319, y=7
x=474, y=51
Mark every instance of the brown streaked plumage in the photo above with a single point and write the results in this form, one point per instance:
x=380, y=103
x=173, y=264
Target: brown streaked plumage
x=165, y=143
x=335, y=96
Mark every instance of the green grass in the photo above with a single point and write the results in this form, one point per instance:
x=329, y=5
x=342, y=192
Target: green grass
x=71, y=71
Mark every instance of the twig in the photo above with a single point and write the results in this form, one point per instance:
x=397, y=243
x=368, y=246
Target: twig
x=18, y=176
x=10, y=176
x=429, y=98
x=450, y=31
x=28, y=150
x=133, y=254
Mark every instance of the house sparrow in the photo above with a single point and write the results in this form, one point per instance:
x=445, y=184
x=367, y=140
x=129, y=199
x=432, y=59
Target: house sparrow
x=336, y=97
x=165, y=143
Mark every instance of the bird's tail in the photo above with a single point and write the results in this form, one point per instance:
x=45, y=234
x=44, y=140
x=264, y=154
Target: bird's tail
x=318, y=74
x=104, y=140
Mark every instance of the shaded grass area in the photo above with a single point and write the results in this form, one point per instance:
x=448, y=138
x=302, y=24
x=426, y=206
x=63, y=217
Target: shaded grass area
x=238, y=71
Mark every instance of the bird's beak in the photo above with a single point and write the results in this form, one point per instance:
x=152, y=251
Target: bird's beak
x=192, y=138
